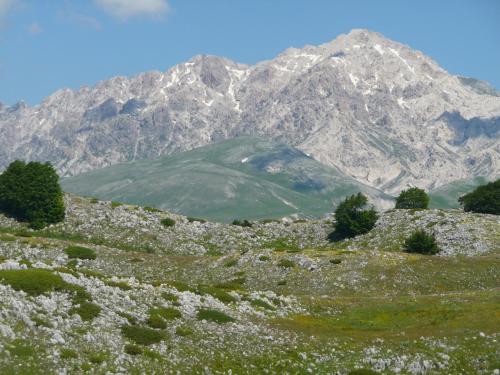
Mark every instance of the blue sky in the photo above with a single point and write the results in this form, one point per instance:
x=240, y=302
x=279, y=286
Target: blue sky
x=50, y=44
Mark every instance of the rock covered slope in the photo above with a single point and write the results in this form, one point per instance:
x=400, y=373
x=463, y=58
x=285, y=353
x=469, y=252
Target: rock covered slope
x=377, y=110
x=246, y=177
x=275, y=297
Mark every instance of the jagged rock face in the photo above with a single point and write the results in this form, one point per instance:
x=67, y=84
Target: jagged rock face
x=379, y=111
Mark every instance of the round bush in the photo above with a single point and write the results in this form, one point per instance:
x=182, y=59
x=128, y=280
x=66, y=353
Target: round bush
x=353, y=218
x=485, y=199
x=421, y=242
x=412, y=198
x=31, y=192
x=168, y=222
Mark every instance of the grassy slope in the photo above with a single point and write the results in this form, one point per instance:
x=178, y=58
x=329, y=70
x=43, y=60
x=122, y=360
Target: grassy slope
x=376, y=306
x=213, y=182
x=447, y=196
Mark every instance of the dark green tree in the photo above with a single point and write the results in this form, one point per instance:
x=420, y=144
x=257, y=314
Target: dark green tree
x=421, y=242
x=484, y=199
x=353, y=217
x=412, y=198
x=31, y=192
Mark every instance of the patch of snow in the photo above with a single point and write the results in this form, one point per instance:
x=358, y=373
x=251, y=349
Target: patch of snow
x=396, y=53
x=244, y=160
x=379, y=49
x=353, y=79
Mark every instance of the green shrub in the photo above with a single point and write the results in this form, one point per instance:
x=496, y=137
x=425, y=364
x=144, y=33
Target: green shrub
x=214, y=316
x=421, y=242
x=484, y=199
x=132, y=349
x=80, y=252
x=86, y=310
x=335, y=261
x=286, y=263
x=281, y=282
x=31, y=192
x=264, y=258
x=142, y=335
x=244, y=223
x=168, y=222
x=353, y=218
x=413, y=198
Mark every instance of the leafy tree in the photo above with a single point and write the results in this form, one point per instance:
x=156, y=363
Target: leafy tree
x=412, y=198
x=485, y=199
x=31, y=192
x=421, y=242
x=353, y=217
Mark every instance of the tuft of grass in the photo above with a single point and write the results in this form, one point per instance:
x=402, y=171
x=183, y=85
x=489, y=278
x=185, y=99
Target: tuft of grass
x=335, y=261
x=156, y=321
x=80, y=252
x=214, y=316
x=86, y=310
x=264, y=258
x=132, y=349
x=68, y=354
x=168, y=222
x=7, y=238
x=183, y=331
x=118, y=284
x=142, y=335
x=20, y=348
x=170, y=297
x=231, y=263
x=97, y=358
x=131, y=319
x=261, y=303
x=36, y=281
x=221, y=295
x=116, y=204
x=234, y=284
x=151, y=209
x=286, y=263
x=167, y=313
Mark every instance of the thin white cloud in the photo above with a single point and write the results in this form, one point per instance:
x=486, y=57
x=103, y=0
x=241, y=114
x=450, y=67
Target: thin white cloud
x=125, y=9
x=35, y=28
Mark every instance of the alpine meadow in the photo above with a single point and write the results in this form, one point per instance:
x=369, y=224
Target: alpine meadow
x=331, y=208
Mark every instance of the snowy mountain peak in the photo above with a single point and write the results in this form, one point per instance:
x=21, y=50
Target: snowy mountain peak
x=371, y=107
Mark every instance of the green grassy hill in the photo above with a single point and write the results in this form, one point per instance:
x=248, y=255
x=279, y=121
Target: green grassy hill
x=240, y=178
x=446, y=196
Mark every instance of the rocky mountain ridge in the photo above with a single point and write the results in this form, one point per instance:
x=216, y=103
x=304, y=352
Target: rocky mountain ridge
x=375, y=109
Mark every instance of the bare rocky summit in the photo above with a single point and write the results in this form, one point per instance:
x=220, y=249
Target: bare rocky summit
x=377, y=110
